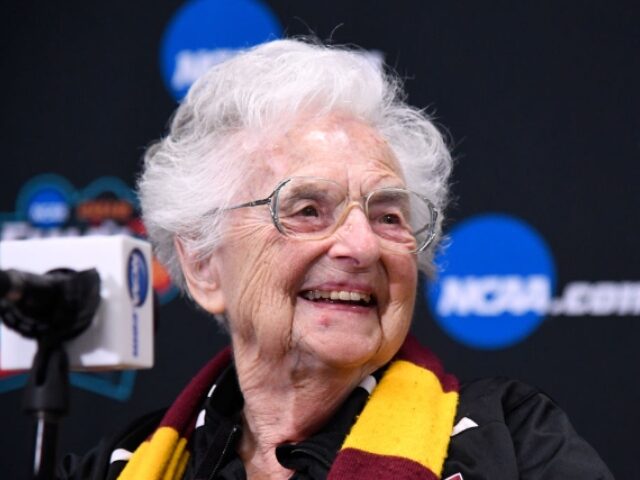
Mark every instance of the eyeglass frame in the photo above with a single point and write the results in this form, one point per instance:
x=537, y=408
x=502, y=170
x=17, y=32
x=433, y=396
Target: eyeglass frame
x=364, y=202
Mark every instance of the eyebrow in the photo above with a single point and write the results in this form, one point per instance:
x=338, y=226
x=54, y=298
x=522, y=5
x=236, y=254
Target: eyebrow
x=385, y=183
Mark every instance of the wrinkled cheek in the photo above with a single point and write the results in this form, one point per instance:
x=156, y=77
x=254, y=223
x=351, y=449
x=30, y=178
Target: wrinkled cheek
x=403, y=291
x=403, y=280
x=262, y=306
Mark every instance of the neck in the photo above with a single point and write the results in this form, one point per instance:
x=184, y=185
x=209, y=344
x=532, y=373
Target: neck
x=286, y=401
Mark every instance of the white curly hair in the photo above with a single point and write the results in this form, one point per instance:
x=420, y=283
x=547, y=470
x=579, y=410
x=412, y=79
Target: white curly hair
x=198, y=167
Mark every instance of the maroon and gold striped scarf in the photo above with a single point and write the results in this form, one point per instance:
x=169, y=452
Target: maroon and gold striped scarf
x=401, y=434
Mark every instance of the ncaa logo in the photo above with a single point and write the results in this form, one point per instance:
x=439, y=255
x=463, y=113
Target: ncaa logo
x=206, y=32
x=495, y=282
x=137, y=277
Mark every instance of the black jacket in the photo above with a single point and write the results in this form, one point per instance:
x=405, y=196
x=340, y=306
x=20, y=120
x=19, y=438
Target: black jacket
x=521, y=434
x=504, y=430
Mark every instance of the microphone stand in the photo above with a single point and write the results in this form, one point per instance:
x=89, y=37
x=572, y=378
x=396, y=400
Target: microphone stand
x=52, y=309
x=46, y=398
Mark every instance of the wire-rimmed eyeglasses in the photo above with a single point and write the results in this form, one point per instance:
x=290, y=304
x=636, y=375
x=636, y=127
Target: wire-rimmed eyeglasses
x=311, y=208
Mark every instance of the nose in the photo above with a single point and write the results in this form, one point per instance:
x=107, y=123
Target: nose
x=354, y=241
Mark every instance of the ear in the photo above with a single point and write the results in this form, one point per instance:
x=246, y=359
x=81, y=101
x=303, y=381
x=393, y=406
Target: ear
x=203, y=280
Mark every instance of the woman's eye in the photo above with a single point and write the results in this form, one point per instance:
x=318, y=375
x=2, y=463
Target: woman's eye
x=390, y=219
x=309, y=211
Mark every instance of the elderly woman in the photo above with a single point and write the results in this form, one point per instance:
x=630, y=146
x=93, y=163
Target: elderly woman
x=295, y=198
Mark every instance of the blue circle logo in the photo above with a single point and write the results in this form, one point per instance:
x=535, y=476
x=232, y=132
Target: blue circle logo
x=206, y=32
x=48, y=208
x=46, y=201
x=137, y=277
x=495, y=282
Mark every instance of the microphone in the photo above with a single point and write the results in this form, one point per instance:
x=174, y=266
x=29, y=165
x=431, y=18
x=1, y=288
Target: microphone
x=56, y=284
x=14, y=282
x=57, y=305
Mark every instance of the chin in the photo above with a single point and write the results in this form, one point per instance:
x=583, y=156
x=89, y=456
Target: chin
x=345, y=351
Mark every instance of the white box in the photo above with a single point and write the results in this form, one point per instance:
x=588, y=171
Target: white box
x=121, y=333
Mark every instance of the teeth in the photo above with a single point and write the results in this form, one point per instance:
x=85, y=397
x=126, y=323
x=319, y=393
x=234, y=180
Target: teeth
x=337, y=295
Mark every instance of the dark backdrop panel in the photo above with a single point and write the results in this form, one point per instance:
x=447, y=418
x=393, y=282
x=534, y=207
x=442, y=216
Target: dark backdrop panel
x=541, y=103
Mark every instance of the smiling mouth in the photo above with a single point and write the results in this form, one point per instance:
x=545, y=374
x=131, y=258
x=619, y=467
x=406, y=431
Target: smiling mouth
x=340, y=297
